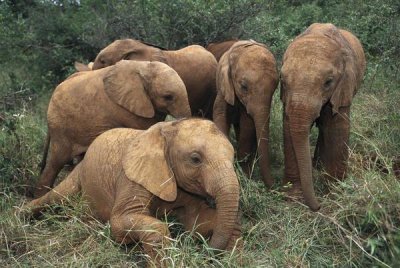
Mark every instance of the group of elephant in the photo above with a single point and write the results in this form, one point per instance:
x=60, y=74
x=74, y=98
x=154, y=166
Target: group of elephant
x=137, y=167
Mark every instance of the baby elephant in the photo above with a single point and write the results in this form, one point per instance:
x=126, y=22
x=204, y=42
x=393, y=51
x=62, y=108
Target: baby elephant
x=129, y=177
x=246, y=81
x=321, y=72
x=129, y=94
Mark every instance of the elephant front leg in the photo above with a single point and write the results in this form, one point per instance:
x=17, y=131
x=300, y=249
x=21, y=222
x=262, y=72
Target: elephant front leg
x=247, y=141
x=319, y=147
x=152, y=233
x=335, y=131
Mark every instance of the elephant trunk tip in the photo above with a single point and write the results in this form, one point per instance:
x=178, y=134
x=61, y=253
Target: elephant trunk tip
x=314, y=206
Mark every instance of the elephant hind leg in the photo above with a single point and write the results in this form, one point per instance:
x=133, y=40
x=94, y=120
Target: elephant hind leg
x=60, y=154
x=69, y=186
x=45, y=152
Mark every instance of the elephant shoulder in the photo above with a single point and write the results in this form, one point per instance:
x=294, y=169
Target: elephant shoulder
x=108, y=147
x=116, y=137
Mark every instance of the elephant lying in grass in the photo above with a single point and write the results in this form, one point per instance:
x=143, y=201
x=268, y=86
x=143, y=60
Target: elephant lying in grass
x=322, y=71
x=194, y=64
x=246, y=80
x=135, y=94
x=130, y=177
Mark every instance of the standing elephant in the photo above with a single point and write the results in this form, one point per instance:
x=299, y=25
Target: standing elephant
x=322, y=70
x=194, y=64
x=132, y=94
x=130, y=177
x=218, y=49
x=246, y=80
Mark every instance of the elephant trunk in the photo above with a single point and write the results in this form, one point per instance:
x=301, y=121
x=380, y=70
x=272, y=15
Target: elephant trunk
x=261, y=122
x=299, y=128
x=224, y=187
x=181, y=111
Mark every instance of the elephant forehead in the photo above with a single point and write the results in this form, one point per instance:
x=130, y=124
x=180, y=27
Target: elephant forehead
x=202, y=133
x=319, y=46
x=308, y=67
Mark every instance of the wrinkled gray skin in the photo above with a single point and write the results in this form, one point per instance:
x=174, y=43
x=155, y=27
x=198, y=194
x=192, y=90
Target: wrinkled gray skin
x=321, y=72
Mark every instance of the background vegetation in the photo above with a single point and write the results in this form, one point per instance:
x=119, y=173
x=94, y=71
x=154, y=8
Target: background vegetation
x=360, y=219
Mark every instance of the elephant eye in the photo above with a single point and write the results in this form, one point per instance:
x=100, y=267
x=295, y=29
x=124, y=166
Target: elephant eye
x=243, y=87
x=195, y=158
x=168, y=97
x=328, y=83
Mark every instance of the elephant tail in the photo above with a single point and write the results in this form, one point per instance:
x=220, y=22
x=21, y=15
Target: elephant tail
x=45, y=152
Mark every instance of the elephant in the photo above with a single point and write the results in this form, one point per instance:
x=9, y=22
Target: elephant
x=194, y=64
x=218, y=49
x=321, y=72
x=247, y=77
x=134, y=94
x=131, y=177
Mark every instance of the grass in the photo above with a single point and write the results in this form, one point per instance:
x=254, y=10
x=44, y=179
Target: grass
x=358, y=224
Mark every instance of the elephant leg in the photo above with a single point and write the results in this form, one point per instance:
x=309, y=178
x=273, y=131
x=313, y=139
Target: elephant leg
x=319, y=148
x=152, y=233
x=291, y=171
x=247, y=141
x=208, y=108
x=196, y=215
x=69, y=186
x=336, y=133
x=60, y=154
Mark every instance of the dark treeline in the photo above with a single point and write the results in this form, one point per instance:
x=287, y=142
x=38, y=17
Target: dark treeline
x=40, y=40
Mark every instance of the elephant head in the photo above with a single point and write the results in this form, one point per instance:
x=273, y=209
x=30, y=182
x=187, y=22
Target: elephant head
x=174, y=155
x=127, y=49
x=319, y=68
x=142, y=87
x=247, y=74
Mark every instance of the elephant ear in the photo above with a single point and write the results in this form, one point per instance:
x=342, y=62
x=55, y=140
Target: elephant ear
x=224, y=79
x=347, y=85
x=144, y=162
x=125, y=84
